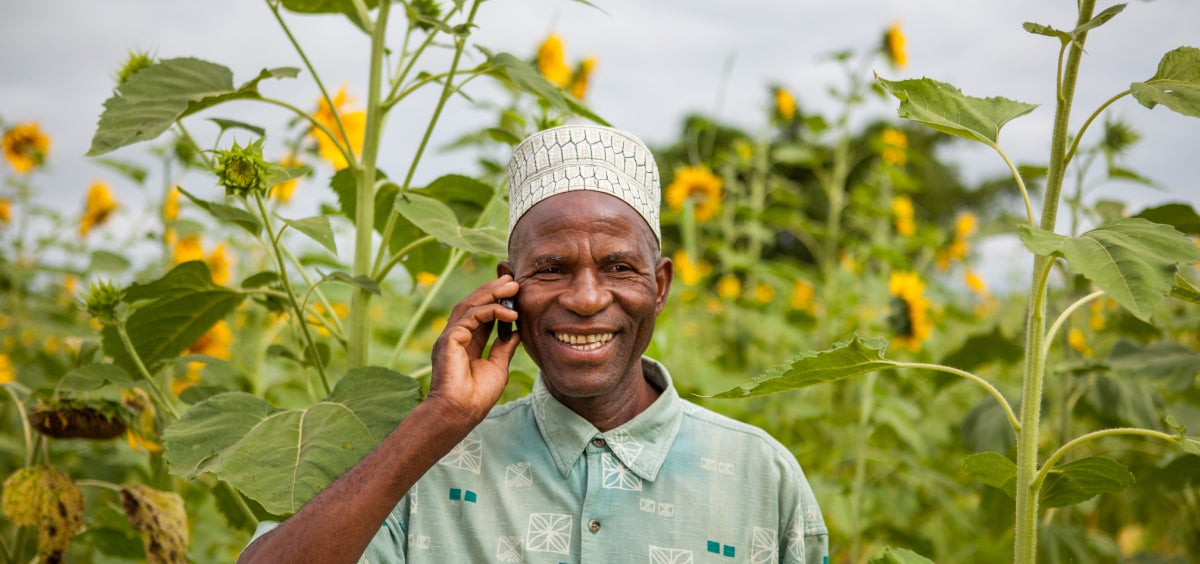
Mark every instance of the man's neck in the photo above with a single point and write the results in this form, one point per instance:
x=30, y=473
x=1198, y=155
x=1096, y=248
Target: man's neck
x=611, y=411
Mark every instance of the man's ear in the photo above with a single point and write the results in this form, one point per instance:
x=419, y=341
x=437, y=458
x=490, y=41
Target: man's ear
x=504, y=267
x=664, y=271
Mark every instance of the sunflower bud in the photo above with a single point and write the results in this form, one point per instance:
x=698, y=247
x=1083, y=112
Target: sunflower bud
x=242, y=170
x=102, y=301
x=136, y=62
x=422, y=11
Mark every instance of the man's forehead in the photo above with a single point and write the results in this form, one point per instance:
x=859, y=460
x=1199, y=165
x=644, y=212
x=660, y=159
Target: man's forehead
x=565, y=220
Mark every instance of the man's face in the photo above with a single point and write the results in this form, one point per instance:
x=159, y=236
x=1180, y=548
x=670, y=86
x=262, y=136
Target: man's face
x=592, y=284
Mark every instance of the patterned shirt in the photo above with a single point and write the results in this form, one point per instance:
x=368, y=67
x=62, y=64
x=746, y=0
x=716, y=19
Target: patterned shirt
x=677, y=484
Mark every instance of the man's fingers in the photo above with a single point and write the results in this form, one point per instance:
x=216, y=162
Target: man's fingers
x=503, y=351
x=489, y=293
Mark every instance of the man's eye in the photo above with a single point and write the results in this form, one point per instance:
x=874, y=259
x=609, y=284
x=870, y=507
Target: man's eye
x=550, y=270
x=622, y=268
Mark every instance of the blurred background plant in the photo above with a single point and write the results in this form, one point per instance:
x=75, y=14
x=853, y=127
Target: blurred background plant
x=785, y=239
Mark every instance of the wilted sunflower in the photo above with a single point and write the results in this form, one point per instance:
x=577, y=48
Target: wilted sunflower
x=910, y=310
x=100, y=204
x=698, y=184
x=893, y=46
x=25, y=147
x=552, y=61
x=355, y=124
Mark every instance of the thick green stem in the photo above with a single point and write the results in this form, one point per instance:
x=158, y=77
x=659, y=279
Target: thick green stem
x=298, y=311
x=1025, y=545
x=359, y=334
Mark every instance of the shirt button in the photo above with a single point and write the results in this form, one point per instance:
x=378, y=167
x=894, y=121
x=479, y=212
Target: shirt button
x=594, y=525
x=598, y=443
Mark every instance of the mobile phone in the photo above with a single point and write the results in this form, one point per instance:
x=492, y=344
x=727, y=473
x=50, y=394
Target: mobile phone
x=506, y=328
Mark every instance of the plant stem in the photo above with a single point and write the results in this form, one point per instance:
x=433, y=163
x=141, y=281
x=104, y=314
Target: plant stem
x=1012, y=418
x=382, y=272
x=99, y=484
x=1020, y=184
x=455, y=256
x=315, y=288
x=1062, y=451
x=301, y=320
x=359, y=333
x=1090, y=119
x=1062, y=318
x=866, y=406
x=343, y=149
x=24, y=425
x=241, y=502
x=1025, y=544
x=162, y=399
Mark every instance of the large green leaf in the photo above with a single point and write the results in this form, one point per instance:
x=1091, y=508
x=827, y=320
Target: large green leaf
x=1166, y=361
x=851, y=358
x=437, y=219
x=282, y=458
x=945, y=108
x=1083, y=479
x=1176, y=85
x=1133, y=260
x=1178, y=215
x=178, y=309
x=524, y=77
x=993, y=469
x=92, y=377
x=152, y=99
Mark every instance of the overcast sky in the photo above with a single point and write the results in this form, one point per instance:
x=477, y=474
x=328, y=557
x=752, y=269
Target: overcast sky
x=658, y=60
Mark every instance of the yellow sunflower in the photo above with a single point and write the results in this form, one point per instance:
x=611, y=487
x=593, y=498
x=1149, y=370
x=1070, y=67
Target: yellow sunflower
x=1078, y=342
x=688, y=270
x=355, y=124
x=220, y=265
x=6, y=369
x=100, y=204
x=187, y=248
x=171, y=205
x=5, y=211
x=895, y=145
x=910, y=310
x=552, y=61
x=284, y=190
x=975, y=283
x=25, y=147
x=802, y=296
x=902, y=207
x=785, y=104
x=729, y=287
x=581, y=78
x=894, y=46
x=701, y=186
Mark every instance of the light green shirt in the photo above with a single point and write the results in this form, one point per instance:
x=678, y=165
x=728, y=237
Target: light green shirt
x=677, y=484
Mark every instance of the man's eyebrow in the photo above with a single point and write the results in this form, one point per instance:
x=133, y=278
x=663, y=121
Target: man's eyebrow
x=620, y=256
x=542, y=260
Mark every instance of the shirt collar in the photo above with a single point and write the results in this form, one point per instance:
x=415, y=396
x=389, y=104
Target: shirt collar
x=641, y=443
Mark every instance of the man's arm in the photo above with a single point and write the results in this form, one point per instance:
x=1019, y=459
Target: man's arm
x=339, y=523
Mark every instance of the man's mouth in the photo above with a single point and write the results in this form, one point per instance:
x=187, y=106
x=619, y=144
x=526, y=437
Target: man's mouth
x=584, y=342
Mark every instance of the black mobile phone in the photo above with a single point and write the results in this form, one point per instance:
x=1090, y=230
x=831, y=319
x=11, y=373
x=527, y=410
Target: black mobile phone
x=506, y=328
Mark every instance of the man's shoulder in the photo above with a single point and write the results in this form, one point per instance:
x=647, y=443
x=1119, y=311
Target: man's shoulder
x=714, y=427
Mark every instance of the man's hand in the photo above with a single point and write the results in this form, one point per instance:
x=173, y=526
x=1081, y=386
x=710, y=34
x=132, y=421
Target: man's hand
x=463, y=383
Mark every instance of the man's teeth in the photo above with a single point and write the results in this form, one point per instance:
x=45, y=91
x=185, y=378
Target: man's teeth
x=584, y=342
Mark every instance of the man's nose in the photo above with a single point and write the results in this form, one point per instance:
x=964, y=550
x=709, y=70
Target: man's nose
x=587, y=295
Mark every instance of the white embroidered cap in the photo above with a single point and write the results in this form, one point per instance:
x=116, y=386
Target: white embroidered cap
x=583, y=157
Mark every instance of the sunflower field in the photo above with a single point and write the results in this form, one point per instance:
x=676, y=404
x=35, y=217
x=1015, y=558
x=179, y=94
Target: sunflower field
x=178, y=369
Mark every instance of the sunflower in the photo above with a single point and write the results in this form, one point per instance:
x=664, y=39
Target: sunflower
x=171, y=205
x=895, y=143
x=785, y=104
x=1078, y=342
x=698, y=184
x=802, y=296
x=893, y=46
x=910, y=310
x=552, y=61
x=689, y=271
x=187, y=248
x=763, y=293
x=975, y=283
x=7, y=374
x=729, y=287
x=5, y=211
x=902, y=207
x=100, y=204
x=583, y=74
x=220, y=265
x=25, y=147
x=964, y=226
x=355, y=124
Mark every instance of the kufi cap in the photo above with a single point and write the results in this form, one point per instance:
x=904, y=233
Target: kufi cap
x=583, y=157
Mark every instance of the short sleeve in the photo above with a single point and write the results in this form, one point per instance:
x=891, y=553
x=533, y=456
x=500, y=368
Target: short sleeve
x=807, y=539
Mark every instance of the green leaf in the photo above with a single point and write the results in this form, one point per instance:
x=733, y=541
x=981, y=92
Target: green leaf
x=264, y=278
x=1099, y=20
x=1178, y=215
x=325, y=6
x=230, y=214
x=108, y=261
x=227, y=124
x=1083, y=479
x=944, y=108
x=179, y=308
x=279, y=174
x=993, y=469
x=1039, y=29
x=1132, y=260
x=1176, y=85
x=282, y=458
x=93, y=377
x=317, y=228
x=846, y=359
x=1183, y=290
x=524, y=77
x=900, y=556
x=437, y=219
x=1129, y=175
x=361, y=281
x=1164, y=360
x=152, y=99
x=129, y=170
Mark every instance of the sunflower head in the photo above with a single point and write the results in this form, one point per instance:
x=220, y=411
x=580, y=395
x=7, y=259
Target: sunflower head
x=785, y=104
x=100, y=204
x=894, y=46
x=136, y=61
x=242, y=170
x=701, y=186
x=420, y=12
x=25, y=147
x=909, y=318
x=552, y=61
x=103, y=302
x=350, y=134
x=902, y=208
x=581, y=77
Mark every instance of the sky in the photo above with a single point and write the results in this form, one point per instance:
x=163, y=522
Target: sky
x=657, y=61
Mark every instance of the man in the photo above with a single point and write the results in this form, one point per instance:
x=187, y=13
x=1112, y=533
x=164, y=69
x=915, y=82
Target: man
x=603, y=462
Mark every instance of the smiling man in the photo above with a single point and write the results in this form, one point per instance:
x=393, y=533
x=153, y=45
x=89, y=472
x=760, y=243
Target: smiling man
x=603, y=462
